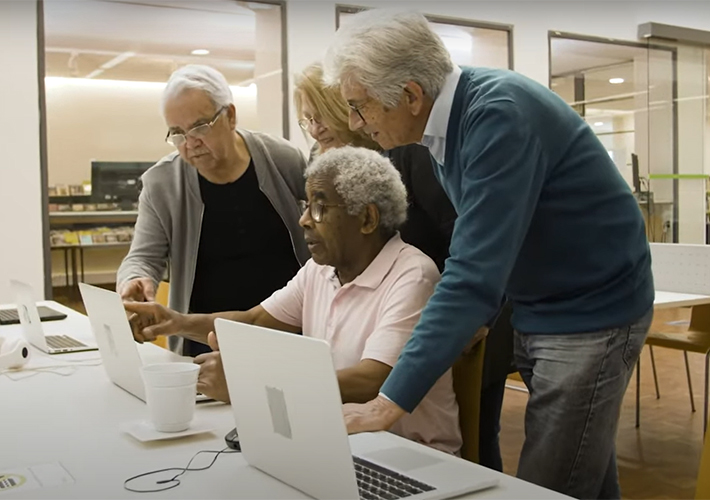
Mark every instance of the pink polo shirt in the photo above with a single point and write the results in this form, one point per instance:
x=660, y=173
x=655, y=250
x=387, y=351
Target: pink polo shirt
x=372, y=317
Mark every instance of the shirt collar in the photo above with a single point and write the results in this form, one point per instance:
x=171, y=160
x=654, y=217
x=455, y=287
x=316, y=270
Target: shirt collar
x=435, y=131
x=373, y=274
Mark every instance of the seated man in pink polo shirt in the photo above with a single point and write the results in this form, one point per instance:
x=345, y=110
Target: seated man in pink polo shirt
x=362, y=291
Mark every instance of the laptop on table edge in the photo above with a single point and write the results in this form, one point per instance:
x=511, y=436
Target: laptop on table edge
x=114, y=337
x=288, y=412
x=33, y=330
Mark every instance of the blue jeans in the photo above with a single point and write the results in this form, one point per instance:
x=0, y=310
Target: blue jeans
x=576, y=383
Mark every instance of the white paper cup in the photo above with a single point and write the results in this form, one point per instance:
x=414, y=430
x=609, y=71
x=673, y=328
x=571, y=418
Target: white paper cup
x=170, y=390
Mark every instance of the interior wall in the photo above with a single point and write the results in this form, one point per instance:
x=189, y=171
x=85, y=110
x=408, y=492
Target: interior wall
x=21, y=251
x=312, y=24
x=692, y=85
x=112, y=121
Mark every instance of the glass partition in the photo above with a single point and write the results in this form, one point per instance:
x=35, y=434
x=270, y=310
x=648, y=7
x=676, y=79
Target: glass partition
x=470, y=43
x=105, y=65
x=626, y=92
x=690, y=180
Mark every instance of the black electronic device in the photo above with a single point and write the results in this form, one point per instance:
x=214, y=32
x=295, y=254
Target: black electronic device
x=10, y=316
x=117, y=181
x=232, y=440
x=635, y=173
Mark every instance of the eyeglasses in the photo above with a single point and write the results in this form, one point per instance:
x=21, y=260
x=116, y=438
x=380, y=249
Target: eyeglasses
x=198, y=132
x=315, y=209
x=304, y=123
x=357, y=108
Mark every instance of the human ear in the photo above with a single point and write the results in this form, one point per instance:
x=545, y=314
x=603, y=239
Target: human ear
x=370, y=219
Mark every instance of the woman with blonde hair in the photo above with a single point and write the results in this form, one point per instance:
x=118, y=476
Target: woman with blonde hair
x=324, y=114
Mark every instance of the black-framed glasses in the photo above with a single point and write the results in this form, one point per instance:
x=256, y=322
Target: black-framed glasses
x=198, y=132
x=357, y=107
x=316, y=208
x=304, y=123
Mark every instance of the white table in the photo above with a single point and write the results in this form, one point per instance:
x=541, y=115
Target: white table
x=668, y=300
x=75, y=420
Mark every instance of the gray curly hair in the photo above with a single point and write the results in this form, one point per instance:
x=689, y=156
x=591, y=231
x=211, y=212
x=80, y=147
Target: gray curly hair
x=362, y=176
x=383, y=49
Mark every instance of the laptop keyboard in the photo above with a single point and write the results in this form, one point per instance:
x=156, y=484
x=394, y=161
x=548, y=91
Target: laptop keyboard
x=377, y=482
x=8, y=315
x=62, y=342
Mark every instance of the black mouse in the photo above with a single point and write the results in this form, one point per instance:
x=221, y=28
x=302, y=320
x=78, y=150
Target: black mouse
x=232, y=440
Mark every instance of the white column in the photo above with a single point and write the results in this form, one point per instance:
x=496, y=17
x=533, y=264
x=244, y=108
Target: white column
x=653, y=136
x=268, y=71
x=692, y=112
x=21, y=248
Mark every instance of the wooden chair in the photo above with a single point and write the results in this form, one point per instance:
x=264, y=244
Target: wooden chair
x=695, y=339
x=467, y=375
x=702, y=487
x=161, y=297
x=518, y=378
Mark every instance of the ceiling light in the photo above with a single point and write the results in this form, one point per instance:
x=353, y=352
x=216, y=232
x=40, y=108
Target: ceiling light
x=616, y=80
x=598, y=124
x=200, y=52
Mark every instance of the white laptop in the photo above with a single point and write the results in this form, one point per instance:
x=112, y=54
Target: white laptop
x=32, y=326
x=288, y=412
x=114, y=337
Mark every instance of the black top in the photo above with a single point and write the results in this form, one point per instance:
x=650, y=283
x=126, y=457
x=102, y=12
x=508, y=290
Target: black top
x=430, y=216
x=245, y=251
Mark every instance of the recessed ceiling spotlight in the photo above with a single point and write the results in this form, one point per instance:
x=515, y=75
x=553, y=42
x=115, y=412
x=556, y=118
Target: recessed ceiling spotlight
x=616, y=80
x=598, y=124
x=200, y=52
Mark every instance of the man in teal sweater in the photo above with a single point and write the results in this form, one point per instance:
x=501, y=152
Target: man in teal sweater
x=544, y=218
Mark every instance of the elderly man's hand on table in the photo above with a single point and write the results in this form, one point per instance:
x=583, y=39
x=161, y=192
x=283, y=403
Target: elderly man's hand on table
x=211, y=381
x=378, y=414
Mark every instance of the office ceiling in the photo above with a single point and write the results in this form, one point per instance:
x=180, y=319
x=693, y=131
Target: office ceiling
x=148, y=39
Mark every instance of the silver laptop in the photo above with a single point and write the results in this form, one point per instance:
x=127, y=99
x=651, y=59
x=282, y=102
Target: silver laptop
x=288, y=412
x=32, y=325
x=118, y=350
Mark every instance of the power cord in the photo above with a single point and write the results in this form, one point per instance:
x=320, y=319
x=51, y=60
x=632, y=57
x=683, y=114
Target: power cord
x=174, y=479
x=17, y=375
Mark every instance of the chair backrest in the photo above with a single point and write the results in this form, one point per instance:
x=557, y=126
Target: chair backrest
x=467, y=375
x=161, y=297
x=681, y=268
x=702, y=487
x=700, y=318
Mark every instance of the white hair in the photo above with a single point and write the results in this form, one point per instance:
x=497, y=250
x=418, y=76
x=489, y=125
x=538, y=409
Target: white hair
x=362, y=176
x=383, y=49
x=197, y=76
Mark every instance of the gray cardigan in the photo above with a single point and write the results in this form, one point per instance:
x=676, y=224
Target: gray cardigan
x=170, y=213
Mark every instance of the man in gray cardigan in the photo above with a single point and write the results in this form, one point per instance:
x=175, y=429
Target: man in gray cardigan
x=223, y=210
